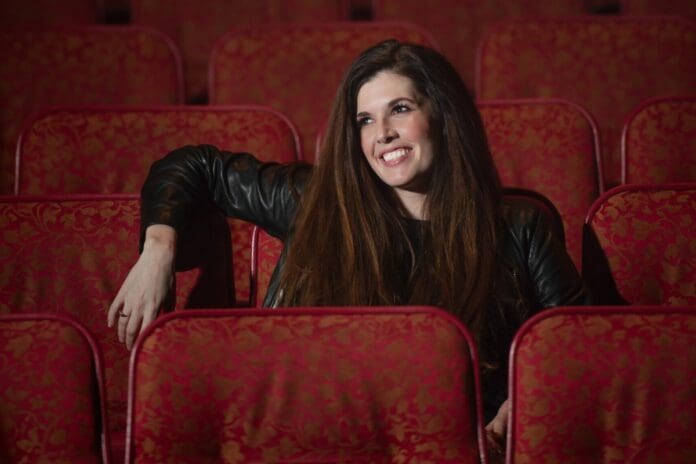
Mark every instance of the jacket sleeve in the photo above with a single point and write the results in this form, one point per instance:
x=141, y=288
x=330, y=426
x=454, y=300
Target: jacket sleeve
x=195, y=178
x=553, y=277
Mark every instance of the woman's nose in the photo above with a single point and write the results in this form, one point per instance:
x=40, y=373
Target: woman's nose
x=386, y=133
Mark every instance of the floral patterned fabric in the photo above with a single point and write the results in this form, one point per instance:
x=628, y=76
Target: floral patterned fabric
x=548, y=146
x=195, y=25
x=295, y=68
x=79, y=65
x=605, y=384
x=305, y=385
x=642, y=239
x=110, y=150
x=663, y=7
x=50, y=387
x=458, y=25
x=49, y=12
x=659, y=142
x=71, y=256
x=607, y=65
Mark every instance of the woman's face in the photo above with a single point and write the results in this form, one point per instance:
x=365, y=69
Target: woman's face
x=394, y=124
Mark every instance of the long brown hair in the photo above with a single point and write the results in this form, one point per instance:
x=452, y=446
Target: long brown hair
x=351, y=242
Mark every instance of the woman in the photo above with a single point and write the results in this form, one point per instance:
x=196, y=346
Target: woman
x=405, y=207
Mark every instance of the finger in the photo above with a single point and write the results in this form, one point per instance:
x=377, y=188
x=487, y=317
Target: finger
x=114, y=309
x=122, y=321
x=148, y=317
x=133, y=328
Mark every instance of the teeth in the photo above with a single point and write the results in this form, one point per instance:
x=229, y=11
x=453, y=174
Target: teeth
x=392, y=155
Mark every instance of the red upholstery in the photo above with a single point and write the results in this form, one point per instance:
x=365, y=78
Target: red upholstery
x=458, y=25
x=80, y=65
x=606, y=64
x=50, y=12
x=266, y=249
x=640, y=242
x=70, y=255
x=119, y=144
x=295, y=68
x=194, y=25
x=549, y=146
x=305, y=385
x=658, y=143
x=604, y=384
x=51, y=392
x=664, y=7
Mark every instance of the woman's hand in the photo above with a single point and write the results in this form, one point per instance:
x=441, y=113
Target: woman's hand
x=496, y=432
x=147, y=285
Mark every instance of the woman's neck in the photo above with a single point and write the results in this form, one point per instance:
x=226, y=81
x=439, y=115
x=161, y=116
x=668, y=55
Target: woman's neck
x=413, y=203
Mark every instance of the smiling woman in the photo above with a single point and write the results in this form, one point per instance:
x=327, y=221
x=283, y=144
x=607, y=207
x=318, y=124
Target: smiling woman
x=395, y=137
x=405, y=208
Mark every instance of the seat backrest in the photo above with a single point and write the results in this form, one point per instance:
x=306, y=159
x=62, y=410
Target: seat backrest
x=305, y=385
x=549, y=146
x=658, y=143
x=194, y=25
x=639, y=245
x=80, y=65
x=50, y=12
x=70, y=255
x=266, y=249
x=685, y=8
x=110, y=149
x=606, y=64
x=458, y=25
x=604, y=384
x=295, y=68
x=51, y=391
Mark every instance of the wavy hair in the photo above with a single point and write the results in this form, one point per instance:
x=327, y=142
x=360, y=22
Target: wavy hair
x=351, y=243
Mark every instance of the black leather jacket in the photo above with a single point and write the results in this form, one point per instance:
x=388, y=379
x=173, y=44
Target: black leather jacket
x=538, y=272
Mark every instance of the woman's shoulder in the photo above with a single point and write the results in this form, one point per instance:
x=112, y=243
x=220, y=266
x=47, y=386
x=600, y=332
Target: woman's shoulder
x=524, y=211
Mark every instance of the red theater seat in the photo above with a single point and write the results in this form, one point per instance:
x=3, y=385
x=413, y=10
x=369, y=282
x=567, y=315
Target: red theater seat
x=658, y=143
x=305, y=385
x=609, y=65
x=195, y=25
x=80, y=65
x=51, y=12
x=549, y=146
x=604, y=384
x=51, y=391
x=458, y=25
x=70, y=255
x=639, y=245
x=295, y=68
x=110, y=150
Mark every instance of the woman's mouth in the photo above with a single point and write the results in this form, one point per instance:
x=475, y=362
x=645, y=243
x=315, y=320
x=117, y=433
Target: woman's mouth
x=394, y=156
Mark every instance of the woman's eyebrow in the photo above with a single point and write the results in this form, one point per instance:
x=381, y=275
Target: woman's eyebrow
x=390, y=103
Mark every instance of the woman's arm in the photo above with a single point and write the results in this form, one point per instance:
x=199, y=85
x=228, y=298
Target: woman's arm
x=237, y=184
x=184, y=182
x=552, y=274
x=147, y=285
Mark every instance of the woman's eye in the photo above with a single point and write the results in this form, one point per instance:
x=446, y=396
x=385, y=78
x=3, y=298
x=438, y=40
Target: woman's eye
x=363, y=121
x=401, y=108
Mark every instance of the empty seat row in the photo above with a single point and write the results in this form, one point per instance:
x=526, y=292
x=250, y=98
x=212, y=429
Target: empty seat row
x=590, y=384
x=607, y=65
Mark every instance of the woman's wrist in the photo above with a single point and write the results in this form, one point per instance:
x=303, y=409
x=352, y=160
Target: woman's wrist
x=161, y=237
